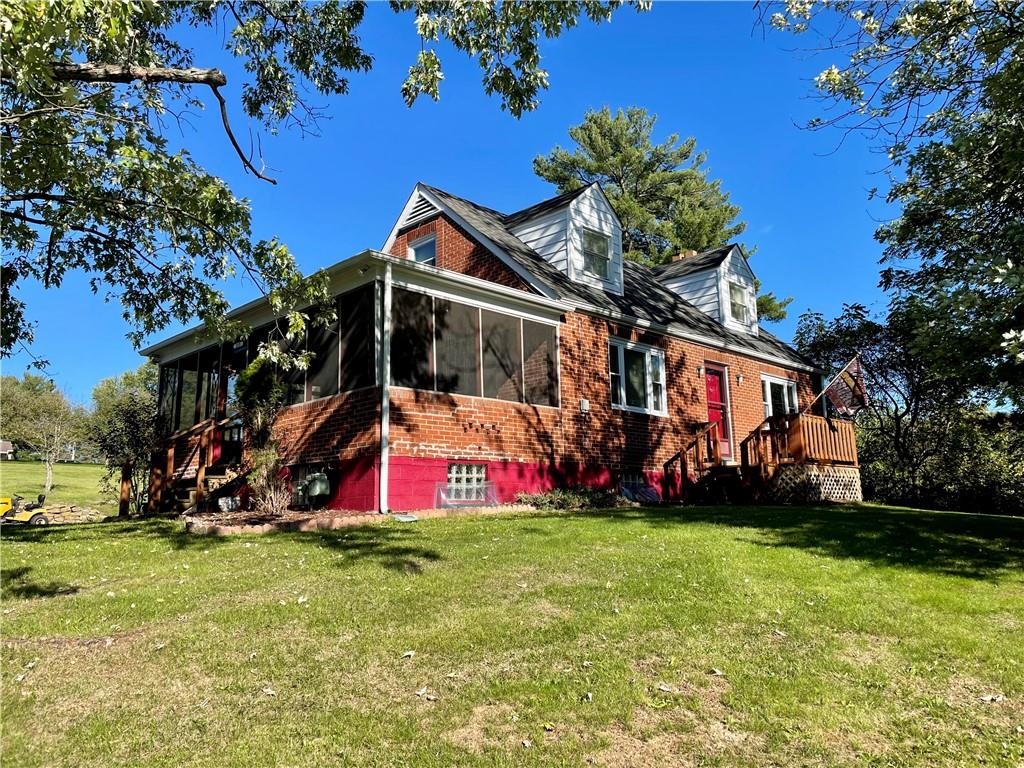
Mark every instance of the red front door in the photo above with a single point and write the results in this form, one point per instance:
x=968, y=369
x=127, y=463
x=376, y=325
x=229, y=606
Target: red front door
x=718, y=406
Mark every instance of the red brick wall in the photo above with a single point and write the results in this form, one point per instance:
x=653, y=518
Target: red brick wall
x=457, y=251
x=431, y=425
x=344, y=426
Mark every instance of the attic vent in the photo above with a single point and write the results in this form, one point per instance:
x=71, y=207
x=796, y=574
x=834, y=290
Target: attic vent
x=421, y=209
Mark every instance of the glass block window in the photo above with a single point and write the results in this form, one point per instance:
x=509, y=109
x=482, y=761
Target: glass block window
x=466, y=482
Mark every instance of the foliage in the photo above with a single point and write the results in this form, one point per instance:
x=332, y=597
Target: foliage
x=259, y=394
x=660, y=192
x=92, y=184
x=267, y=481
x=123, y=424
x=573, y=499
x=37, y=417
x=939, y=86
x=926, y=438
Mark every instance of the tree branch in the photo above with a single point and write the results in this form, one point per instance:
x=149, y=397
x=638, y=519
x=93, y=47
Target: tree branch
x=117, y=73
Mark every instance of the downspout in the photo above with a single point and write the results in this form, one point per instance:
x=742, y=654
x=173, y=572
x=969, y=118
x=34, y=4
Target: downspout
x=385, y=390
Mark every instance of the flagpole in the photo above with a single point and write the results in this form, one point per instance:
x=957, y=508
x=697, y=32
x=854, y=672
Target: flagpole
x=834, y=380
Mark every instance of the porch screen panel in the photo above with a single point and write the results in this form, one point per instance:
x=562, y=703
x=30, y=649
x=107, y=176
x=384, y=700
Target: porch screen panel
x=356, y=324
x=235, y=361
x=322, y=374
x=502, y=356
x=294, y=378
x=209, y=363
x=540, y=363
x=457, y=339
x=411, y=339
x=168, y=394
x=186, y=416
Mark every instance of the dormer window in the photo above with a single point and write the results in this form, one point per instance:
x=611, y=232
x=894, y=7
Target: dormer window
x=424, y=250
x=738, y=303
x=596, y=253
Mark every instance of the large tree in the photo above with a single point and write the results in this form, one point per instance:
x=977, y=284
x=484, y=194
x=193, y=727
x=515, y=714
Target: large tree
x=927, y=437
x=661, y=191
x=92, y=184
x=123, y=426
x=38, y=418
x=938, y=85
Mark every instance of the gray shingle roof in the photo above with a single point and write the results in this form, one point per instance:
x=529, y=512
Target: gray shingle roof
x=703, y=260
x=643, y=296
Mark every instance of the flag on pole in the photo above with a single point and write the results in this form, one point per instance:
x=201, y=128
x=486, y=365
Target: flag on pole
x=846, y=392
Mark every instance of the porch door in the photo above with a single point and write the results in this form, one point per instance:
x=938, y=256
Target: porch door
x=718, y=406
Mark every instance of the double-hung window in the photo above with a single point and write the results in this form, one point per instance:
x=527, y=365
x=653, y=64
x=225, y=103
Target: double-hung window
x=596, y=253
x=738, y=303
x=424, y=250
x=637, y=377
x=779, y=396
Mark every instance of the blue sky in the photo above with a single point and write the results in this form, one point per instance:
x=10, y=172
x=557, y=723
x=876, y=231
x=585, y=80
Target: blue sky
x=704, y=69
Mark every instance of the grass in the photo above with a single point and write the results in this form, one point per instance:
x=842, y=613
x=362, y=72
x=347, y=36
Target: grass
x=865, y=636
x=77, y=484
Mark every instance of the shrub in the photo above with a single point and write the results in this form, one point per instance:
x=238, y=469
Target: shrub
x=267, y=481
x=573, y=499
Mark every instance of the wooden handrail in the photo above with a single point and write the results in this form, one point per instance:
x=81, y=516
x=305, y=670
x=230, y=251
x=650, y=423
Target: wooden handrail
x=706, y=438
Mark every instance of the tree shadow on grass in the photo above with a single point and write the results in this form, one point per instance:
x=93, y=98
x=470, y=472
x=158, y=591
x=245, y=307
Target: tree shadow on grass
x=159, y=528
x=394, y=546
x=957, y=544
x=17, y=584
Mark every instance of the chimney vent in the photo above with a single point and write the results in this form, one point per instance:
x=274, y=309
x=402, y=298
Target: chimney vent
x=684, y=254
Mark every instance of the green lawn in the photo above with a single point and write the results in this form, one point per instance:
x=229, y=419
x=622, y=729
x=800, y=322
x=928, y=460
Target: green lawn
x=862, y=636
x=77, y=484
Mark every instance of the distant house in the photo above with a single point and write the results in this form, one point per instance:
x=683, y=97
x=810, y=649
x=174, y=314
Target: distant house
x=7, y=452
x=480, y=354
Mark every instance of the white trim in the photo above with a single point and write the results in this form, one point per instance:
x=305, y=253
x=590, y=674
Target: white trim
x=607, y=237
x=649, y=352
x=792, y=392
x=724, y=369
x=665, y=330
x=385, y=393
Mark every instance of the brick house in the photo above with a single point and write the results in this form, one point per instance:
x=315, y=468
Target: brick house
x=480, y=354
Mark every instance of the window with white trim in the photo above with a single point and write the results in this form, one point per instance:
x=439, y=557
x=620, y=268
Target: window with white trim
x=738, y=303
x=424, y=250
x=467, y=482
x=636, y=376
x=596, y=253
x=779, y=395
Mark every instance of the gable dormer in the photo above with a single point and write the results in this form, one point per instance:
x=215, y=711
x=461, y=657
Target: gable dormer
x=718, y=282
x=578, y=233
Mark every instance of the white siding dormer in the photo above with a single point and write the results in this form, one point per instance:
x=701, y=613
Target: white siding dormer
x=702, y=289
x=737, y=293
x=548, y=235
x=724, y=290
x=592, y=213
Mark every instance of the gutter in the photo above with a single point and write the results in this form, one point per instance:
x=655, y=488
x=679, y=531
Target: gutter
x=698, y=339
x=385, y=393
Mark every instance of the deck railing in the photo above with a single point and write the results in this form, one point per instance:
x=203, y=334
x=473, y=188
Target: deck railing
x=799, y=439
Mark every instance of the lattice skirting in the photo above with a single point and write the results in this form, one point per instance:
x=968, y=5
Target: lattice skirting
x=808, y=483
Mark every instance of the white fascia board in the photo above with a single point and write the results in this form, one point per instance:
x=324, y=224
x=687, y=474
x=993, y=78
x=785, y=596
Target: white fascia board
x=393, y=234
x=342, y=275
x=365, y=267
x=455, y=285
x=697, y=338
